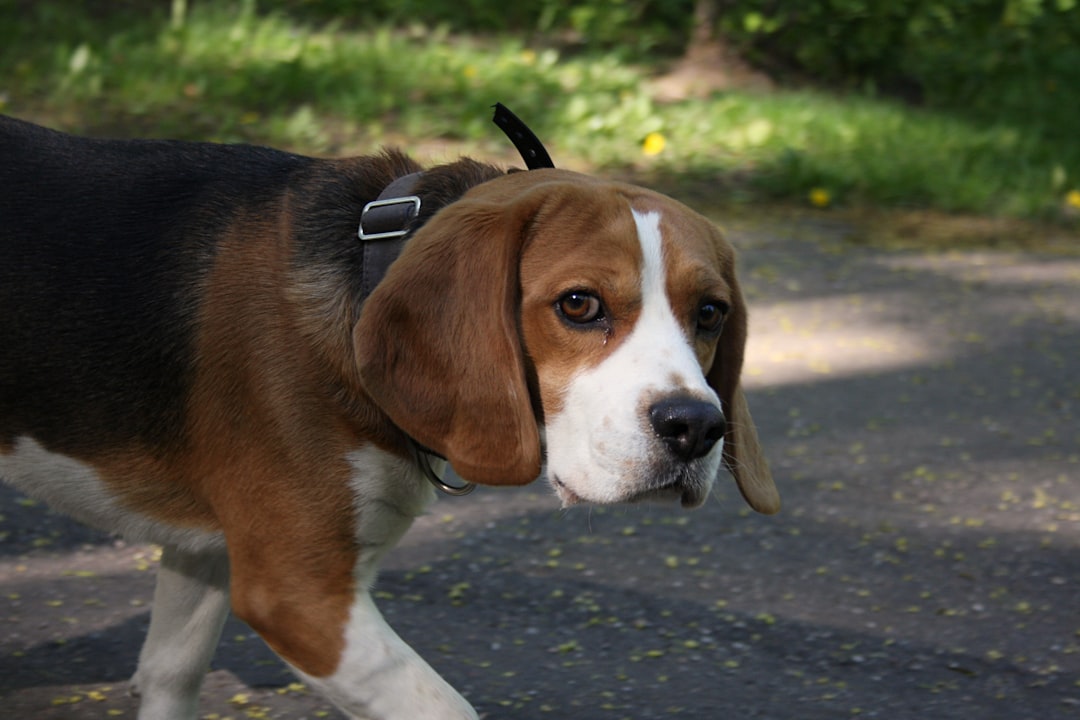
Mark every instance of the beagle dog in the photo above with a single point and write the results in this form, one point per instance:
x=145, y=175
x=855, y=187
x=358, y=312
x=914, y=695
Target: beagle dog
x=189, y=357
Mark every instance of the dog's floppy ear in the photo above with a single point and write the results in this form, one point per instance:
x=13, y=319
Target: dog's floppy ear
x=742, y=451
x=438, y=345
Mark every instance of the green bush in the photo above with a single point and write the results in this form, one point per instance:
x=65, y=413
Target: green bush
x=998, y=59
x=628, y=26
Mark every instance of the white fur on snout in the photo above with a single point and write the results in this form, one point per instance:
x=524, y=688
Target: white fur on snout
x=601, y=445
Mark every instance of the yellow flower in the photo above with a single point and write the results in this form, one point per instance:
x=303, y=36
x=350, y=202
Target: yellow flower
x=654, y=144
x=469, y=72
x=1072, y=199
x=820, y=197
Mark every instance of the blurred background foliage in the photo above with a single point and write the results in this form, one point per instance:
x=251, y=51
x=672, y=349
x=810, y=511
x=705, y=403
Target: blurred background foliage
x=958, y=105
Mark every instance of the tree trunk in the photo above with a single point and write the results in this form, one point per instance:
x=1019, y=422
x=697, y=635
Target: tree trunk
x=704, y=33
x=709, y=64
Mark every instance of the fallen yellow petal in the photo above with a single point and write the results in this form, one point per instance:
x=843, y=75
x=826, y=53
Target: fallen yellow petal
x=820, y=197
x=654, y=144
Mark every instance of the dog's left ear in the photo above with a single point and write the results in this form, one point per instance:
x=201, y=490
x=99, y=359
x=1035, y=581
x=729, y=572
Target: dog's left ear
x=438, y=345
x=742, y=450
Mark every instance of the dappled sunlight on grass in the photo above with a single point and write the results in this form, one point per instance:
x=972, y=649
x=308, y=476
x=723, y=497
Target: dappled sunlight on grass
x=231, y=74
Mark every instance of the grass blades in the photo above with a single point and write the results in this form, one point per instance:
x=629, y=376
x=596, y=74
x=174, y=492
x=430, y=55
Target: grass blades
x=228, y=73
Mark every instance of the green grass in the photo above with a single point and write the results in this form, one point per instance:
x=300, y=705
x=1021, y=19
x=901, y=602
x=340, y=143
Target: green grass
x=235, y=75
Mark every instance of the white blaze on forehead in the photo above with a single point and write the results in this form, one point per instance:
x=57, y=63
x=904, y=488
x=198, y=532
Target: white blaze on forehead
x=652, y=265
x=661, y=336
x=658, y=336
x=601, y=447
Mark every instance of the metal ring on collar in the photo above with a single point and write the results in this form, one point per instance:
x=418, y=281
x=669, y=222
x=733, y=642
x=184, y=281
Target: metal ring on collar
x=456, y=490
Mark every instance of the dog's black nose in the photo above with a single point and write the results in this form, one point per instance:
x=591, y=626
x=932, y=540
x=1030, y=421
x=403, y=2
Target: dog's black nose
x=689, y=427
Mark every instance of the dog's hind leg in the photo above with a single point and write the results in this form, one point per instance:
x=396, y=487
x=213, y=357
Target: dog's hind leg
x=191, y=603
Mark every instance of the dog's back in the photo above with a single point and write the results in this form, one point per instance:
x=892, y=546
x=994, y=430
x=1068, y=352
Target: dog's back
x=101, y=246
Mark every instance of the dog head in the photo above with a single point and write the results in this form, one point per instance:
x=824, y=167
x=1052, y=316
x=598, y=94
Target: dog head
x=549, y=319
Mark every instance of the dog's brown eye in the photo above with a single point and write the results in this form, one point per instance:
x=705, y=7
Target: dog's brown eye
x=710, y=317
x=580, y=307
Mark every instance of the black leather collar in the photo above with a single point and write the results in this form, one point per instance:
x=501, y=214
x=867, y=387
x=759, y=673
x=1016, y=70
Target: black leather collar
x=532, y=150
x=384, y=227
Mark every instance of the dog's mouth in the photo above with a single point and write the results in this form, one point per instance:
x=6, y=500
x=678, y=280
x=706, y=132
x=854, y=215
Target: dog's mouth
x=566, y=496
x=690, y=492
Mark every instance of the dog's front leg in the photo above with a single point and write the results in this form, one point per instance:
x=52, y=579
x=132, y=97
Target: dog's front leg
x=381, y=678
x=191, y=603
x=301, y=579
x=324, y=624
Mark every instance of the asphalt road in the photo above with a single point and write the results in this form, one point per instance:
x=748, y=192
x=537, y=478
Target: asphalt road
x=920, y=410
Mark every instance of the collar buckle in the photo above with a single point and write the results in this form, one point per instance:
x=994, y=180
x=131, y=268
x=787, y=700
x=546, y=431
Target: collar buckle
x=388, y=218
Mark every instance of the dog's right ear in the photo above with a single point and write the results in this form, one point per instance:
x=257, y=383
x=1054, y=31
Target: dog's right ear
x=438, y=346
x=743, y=455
